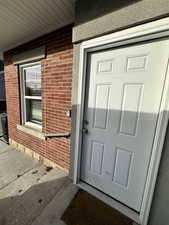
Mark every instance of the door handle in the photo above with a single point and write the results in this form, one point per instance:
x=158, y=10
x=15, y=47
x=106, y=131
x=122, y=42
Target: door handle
x=85, y=130
x=86, y=122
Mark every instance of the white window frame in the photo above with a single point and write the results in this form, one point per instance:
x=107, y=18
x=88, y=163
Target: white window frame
x=144, y=32
x=24, y=97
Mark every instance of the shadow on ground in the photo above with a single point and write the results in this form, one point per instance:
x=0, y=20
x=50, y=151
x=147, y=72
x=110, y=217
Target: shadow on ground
x=87, y=210
x=24, y=208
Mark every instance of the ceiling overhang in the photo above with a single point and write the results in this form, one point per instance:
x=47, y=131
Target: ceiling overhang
x=22, y=21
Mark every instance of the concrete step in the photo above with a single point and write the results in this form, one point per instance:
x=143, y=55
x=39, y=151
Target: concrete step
x=52, y=214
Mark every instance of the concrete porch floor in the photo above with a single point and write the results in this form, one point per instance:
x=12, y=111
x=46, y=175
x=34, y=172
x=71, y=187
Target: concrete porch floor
x=31, y=193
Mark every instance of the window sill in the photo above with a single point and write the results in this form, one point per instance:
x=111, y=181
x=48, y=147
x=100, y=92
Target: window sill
x=31, y=131
x=33, y=126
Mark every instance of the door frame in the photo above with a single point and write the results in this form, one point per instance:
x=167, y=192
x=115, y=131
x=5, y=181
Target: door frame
x=145, y=32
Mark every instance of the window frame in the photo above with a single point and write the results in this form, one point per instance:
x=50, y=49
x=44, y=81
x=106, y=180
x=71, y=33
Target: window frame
x=23, y=97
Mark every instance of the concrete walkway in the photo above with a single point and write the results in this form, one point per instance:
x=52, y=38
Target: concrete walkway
x=31, y=193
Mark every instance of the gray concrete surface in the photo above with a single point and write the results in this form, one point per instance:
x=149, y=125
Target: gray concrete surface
x=94, y=18
x=54, y=211
x=29, y=193
x=159, y=214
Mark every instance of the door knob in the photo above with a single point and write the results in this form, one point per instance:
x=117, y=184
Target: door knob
x=85, y=130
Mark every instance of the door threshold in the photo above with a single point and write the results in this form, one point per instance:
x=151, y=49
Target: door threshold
x=111, y=202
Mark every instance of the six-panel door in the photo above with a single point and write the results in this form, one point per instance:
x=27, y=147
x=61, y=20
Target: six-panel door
x=123, y=95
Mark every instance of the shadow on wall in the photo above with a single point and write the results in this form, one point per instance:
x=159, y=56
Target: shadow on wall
x=130, y=131
x=87, y=10
x=114, y=120
x=159, y=210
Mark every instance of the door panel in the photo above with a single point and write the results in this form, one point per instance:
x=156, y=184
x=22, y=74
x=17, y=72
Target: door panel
x=122, y=103
x=102, y=101
x=131, y=102
x=122, y=167
x=97, y=150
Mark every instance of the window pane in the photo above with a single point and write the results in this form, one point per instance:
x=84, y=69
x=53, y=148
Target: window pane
x=32, y=78
x=34, y=111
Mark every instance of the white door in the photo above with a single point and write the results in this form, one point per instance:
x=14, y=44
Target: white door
x=122, y=103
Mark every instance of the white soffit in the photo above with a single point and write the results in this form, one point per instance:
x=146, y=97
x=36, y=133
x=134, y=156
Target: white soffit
x=24, y=20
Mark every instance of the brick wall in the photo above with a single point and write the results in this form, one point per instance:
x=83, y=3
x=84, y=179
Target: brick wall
x=56, y=95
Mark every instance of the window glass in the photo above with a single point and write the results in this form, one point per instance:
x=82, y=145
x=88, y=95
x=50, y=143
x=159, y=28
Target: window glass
x=34, y=111
x=32, y=78
x=31, y=93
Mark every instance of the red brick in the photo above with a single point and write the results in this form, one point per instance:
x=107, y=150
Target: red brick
x=56, y=95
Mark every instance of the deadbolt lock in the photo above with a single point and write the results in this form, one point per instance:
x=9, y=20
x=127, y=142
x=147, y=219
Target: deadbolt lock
x=85, y=130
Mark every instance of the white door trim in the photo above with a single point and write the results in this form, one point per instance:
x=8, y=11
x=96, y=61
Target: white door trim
x=149, y=31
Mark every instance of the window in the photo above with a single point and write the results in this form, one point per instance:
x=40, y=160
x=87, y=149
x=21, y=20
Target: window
x=31, y=94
